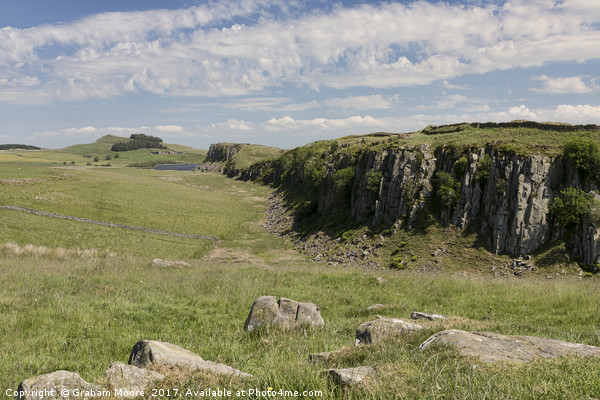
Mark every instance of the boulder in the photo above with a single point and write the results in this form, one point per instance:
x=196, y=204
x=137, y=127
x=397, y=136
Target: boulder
x=166, y=263
x=285, y=313
x=131, y=378
x=382, y=329
x=54, y=385
x=322, y=357
x=377, y=307
x=430, y=317
x=350, y=376
x=494, y=347
x=148, y=353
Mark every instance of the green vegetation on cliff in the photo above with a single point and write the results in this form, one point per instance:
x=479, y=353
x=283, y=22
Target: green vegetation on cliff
x=477, y=177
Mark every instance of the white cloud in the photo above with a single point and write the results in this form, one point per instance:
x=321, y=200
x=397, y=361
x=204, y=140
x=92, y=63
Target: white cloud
x=183, y=53
x=169, y=128
x=563, y=85
x=361, y=102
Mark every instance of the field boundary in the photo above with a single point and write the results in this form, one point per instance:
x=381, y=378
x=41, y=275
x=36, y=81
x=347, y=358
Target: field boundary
x=109, y=224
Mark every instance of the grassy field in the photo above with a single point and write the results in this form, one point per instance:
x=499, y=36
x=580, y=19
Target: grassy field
x=77, y=296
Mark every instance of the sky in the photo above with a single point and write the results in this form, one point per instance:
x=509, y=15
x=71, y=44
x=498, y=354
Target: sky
x=288, y=72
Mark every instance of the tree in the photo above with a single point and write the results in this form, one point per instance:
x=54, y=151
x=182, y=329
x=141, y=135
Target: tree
x=572, y=204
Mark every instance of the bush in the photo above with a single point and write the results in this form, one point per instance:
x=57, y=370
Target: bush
x=343, y=179
x=483, y=168
x=96, y=159
x=373, y=181
x=445, y=189
x=584, y=155
x=397, y=263
x=347, y=235
x=460, y=167
x=572, y=204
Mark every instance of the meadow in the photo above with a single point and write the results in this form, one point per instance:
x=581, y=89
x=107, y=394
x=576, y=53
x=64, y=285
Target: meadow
x=77, y=296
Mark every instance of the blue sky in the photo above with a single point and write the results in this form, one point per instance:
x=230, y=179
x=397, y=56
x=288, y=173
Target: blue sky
x=286, y=73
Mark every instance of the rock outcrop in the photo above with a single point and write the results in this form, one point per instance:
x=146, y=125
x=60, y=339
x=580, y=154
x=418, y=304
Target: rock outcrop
x=350, y=376
x=149, y=353
x=494, y=347
x=268, y=311
x=427, y=316
x=381, y=329
x=222, y=152
x=130, y=378
x=503, y=196
x=57, y=385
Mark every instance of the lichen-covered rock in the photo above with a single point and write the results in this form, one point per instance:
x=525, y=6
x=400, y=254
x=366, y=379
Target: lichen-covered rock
x=381, y=329
x=494, y=347
x=427, y=316
x=147, y=353
x=131, y=378
x=285, y=313
x=57, y=385
x=350, y=376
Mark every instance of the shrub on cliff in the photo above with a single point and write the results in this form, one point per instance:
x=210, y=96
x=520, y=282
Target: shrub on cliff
x=572, y=204
x=445, y=189
x=584, y=154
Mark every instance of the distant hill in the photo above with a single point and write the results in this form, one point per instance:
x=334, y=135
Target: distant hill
x=102, y=147
x=18, y=146
x=99, y=147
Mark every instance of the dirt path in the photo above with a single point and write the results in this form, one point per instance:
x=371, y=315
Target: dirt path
x=110, y=224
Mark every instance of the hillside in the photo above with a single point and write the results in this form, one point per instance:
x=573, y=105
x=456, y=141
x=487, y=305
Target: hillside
x=95, y=258
x=100, y=147
x=173, y=153
x=411, y=200
x=237, y=157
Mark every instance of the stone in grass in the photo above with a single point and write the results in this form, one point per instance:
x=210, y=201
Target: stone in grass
x=54, y=385
x=285, y=313
x=380, y=329
x=148, y=353
x=427, y=316
x=377, y=307
x=494, y=347
x=129, y=378
x=350, y=376
x=322, y=357
x=166, y=263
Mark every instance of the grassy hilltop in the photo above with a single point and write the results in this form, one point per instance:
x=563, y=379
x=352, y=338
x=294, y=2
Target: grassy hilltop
x=77, y=296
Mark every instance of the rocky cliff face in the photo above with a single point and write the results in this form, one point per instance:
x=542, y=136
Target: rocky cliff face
x=504, y=197
x=222, y=152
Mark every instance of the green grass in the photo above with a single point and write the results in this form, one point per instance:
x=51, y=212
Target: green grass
x=84, y=299
x=82, y=314
x=521, y=140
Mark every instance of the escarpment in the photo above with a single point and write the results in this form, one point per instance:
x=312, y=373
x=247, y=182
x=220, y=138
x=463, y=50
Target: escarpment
x=384, y=181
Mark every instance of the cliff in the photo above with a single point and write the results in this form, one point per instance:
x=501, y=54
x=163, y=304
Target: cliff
x=501, y=189
x=236, y=159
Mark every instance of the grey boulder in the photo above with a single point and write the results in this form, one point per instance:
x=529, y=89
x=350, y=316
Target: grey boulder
x=56, y=385
x=149, y=353
x=285, y=313
x=494, y=347
x=381, y=329
x=350, y=376
x=130, y=377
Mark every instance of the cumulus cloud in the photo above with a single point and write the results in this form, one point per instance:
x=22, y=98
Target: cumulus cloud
x=200, y=51
x=563, y=85
x=361, y=102
x=91, y=132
